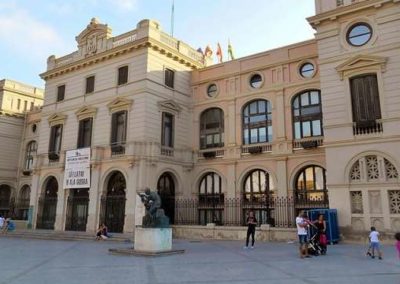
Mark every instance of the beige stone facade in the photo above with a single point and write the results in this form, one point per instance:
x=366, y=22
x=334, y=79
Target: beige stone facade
x=16, y=99
x=363, y=166
x=294, y=123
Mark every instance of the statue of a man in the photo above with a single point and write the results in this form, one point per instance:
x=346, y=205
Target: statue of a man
x=153, y=201
x=154, y=216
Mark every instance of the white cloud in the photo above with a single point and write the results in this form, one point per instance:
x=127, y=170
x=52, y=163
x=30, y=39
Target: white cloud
x=27, y=36
x=126, y=5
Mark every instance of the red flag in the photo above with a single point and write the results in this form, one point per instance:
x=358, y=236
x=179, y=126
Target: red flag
x=208, y=51
x=219, y=53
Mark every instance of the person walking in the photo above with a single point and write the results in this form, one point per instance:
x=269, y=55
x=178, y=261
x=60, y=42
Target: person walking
x=302, y=226
x=251, y=222
x=2, y=220
x=374, y=240
x=397, y=237
x=321, y=237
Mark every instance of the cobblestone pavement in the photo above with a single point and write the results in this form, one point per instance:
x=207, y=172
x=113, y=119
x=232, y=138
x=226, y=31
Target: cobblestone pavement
x=41, y=261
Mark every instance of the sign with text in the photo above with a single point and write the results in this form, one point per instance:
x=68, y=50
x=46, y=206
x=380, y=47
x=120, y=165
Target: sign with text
x=77, y=168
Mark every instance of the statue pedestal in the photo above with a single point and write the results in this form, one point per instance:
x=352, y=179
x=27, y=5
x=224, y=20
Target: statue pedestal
x=153, y=239
x=150, y=242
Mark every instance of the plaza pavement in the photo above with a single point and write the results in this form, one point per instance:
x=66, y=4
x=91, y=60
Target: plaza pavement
x=51, y=261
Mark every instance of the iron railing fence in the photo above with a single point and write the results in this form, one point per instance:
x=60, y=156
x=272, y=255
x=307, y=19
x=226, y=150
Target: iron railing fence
x=278, y=212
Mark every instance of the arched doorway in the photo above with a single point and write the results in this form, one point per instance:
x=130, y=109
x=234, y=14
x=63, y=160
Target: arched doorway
x=77, y=209
x=23, y=200
x=166, y=190
x=48, y=205
x=5, y=194
x=113, y=203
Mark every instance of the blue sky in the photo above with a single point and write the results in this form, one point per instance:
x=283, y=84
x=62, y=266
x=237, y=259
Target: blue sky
x=30, y=31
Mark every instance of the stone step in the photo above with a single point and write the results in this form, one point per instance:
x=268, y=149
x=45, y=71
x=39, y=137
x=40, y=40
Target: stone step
x=64, y=235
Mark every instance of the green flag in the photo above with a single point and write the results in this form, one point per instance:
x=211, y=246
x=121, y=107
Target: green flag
x=230, y=50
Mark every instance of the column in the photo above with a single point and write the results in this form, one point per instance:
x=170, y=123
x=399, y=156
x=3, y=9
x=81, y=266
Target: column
x=94, y=200
x=281, y=175
x=34, y=201
x=130, y=205
x=62, y=196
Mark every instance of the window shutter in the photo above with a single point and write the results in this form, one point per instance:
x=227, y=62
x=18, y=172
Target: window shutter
x=90, y=125
x=113, y=128
x=51, y=142
x=123, y=136
x=365, y=98
x=80, y=134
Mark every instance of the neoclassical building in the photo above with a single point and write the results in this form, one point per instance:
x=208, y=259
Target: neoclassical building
x=311, y=125
x=18, y=144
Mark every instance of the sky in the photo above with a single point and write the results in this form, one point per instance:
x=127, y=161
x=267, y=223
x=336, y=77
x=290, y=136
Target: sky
x=32, y=30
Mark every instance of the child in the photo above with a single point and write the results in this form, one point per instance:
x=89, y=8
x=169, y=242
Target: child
x=374, y=240
x=397, y=236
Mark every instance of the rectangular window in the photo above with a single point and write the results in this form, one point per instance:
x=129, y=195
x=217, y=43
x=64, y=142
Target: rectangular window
x=118, y=128
x=55, y=139
x=122, y=75
x=169, y=77
x=85, y=133
x=89, y=85
x=167, y=135
x=365, y=100
x=32, y=105
x=60, y=93
x=18, y=104
x=25, y=105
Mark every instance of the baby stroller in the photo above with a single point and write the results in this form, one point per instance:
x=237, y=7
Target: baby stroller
x=314, y=248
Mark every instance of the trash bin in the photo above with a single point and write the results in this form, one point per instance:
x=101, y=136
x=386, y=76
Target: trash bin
x=332, y=226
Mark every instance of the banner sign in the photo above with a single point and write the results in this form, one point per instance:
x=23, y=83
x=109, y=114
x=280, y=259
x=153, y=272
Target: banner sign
x=77, y=168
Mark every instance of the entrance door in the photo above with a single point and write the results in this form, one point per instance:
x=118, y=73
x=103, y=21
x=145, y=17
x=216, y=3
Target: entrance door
x=113, y=204
x=166, y=190
x=48, y=205
x=5, y=192
x=77, y=210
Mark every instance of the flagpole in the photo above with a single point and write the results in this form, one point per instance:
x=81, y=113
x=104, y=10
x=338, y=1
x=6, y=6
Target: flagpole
x=172, y=18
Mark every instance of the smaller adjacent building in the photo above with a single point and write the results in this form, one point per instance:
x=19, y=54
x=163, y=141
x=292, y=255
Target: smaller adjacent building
x=19, y=102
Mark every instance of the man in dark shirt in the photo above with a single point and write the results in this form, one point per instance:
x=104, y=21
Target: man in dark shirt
x=251, y=229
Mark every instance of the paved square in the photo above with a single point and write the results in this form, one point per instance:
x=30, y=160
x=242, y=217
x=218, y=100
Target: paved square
x=40, y=261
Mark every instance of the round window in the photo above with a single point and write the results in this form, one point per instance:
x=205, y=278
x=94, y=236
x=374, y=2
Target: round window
x=307, y=70
x=212, y=90
x=256, y=81
x=34, y=128
x=359, y=34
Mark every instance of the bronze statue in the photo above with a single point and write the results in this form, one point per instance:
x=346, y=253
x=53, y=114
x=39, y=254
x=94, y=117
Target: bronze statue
x=154, y=217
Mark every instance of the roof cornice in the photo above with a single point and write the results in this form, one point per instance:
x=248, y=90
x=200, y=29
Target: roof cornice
x=120, y=50
x=332, y=15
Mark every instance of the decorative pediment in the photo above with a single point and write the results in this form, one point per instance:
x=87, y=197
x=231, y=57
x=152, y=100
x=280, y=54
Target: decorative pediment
x=119, y=104
x=360, y=62
x=93, y=38
x=169, y=106
x=85, y=112
x=57, y=118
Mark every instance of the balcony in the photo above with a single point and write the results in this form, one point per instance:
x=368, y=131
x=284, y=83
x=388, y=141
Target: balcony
x=211, y=153
x=117, y=149
x=256, y=148
x=167, y=151
x=367, y=127
x=308, y=143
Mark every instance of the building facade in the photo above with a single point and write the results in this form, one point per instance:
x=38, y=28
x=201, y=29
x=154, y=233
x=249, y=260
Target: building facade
x=311, y=125
x=16, y=99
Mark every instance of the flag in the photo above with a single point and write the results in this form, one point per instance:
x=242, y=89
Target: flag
x=208, y=51
x=219, y=53
x=230, y=50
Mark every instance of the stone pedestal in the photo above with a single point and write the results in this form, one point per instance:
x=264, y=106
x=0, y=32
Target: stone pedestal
x=153, y=239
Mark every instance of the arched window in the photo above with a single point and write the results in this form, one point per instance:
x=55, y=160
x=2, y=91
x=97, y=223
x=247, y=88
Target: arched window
x=212, y=128
x=257, y=185
x=307, y=114
x=257, y=122
x=31, y=149
x=257, y=196
x=48, y=205
x=211, y=199
x=310, y=187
